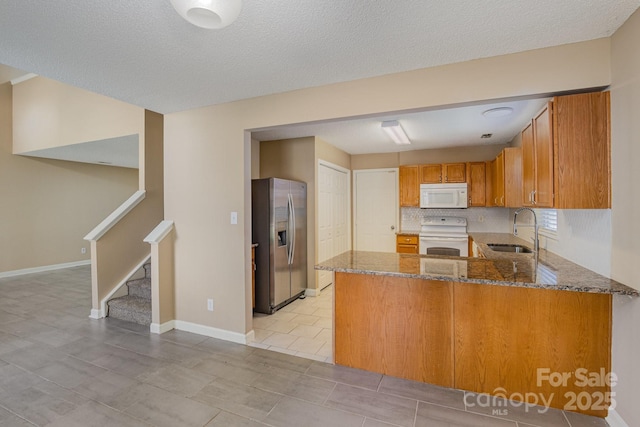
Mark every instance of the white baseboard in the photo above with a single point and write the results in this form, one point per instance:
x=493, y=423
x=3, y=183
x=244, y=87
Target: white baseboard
x=615, y=420
x=212, y=332
x=96, y=314
x=44, y=268
x=250, y=337
x=156, y=328
x=311, y=292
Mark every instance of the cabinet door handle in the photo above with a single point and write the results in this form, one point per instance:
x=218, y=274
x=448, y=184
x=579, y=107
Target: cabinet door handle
x=533, y=197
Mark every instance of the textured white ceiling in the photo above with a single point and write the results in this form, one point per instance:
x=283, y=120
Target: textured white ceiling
x=144, y=53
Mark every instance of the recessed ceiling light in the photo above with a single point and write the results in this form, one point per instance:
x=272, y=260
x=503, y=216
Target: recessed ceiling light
x=486, y=135
x=498, y=112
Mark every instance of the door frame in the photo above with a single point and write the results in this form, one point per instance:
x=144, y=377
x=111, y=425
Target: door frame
x=355, y=197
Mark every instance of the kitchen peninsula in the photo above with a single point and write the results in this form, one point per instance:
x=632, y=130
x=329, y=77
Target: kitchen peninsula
x=486, y=331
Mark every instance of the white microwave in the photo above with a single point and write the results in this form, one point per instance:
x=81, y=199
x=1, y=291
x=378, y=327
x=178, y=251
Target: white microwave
x=443, y=196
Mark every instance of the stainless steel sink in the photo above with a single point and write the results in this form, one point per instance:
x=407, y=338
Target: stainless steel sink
x=503, y=247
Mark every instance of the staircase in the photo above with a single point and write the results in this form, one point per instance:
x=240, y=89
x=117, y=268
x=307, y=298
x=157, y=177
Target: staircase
x=136, y=306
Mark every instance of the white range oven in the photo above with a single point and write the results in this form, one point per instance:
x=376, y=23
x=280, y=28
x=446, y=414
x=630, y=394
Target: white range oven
x=444, y=235
x=454, y=269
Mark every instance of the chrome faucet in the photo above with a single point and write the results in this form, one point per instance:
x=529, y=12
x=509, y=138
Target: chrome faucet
x=536, y=244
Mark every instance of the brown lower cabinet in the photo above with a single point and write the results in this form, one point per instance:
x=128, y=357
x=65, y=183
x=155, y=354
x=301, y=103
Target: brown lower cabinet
x=407, y=244
x=499, y=340
x=395, y=326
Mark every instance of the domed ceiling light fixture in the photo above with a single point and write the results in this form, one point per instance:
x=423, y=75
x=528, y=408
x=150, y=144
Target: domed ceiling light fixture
x=498, y=112
x=210, y=14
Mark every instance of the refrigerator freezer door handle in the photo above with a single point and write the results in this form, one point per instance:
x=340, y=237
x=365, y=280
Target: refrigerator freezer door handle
x=292, y=221
x=289, y=235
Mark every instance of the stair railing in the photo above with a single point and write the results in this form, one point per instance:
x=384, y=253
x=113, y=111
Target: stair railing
x=118, y=250
x=162, y=241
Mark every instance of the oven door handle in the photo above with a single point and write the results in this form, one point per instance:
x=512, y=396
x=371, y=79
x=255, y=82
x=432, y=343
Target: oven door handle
x=444, y=239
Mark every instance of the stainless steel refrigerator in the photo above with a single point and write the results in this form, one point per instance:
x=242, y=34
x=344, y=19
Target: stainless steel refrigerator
x=279, y=227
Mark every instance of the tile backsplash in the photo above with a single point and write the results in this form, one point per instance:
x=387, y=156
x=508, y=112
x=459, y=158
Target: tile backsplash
x=490, y=220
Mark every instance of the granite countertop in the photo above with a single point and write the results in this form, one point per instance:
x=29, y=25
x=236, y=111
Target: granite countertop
x=408, y=233
x=497, y=268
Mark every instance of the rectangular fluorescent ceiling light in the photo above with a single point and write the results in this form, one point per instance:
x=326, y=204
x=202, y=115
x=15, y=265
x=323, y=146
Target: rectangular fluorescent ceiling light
x=395, y=132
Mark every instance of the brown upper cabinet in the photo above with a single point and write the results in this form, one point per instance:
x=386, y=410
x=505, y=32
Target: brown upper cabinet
x=537, y=160
x=497, y=183
x=566, y=157
x=512, y=177
x=582, y=151
x=476, y=179
x=504, y=178
x=564, y=162
x=443, y=173
x=431, y=174
x=409, y=182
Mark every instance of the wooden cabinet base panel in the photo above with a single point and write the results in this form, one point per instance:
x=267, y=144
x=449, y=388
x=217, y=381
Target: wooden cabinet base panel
x=519, y=341
x=395, y=326
x=499, y=340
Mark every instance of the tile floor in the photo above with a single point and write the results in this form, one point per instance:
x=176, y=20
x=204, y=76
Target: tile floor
x=60, y=368
x=303, y=328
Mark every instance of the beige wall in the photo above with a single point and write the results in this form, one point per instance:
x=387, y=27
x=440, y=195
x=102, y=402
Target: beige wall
x=625, y=212
x=206, y=152
x=451, y=155
x=48, y=206
x=375, y=161
x=67, y=115
x=331, y=154
x=255, y=159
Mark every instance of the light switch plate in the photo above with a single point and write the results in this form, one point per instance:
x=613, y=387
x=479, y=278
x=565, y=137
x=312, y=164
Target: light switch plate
x=234, y=217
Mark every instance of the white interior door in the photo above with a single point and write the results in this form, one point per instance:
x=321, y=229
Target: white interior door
x=376, y=209
x=333, y=216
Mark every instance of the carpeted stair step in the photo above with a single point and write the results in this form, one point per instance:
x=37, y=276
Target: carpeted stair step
x=131, y=309
x=147, y=269
x=140, y=288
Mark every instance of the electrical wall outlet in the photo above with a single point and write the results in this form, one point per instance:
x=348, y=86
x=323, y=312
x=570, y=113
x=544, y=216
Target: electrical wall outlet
x=83, y=250
x=210, y=304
